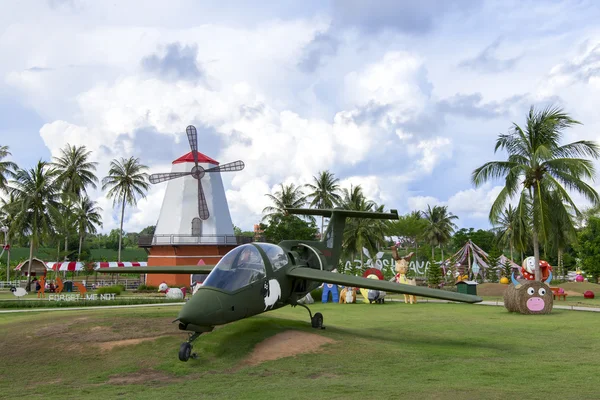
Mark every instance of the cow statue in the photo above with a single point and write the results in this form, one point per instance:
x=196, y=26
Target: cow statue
x=401, y=270
x=529, y=297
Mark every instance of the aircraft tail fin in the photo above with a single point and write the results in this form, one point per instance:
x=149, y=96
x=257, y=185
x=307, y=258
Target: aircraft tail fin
x=331, y=243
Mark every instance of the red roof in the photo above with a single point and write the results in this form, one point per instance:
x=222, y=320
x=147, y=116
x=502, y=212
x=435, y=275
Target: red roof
x=189, y=157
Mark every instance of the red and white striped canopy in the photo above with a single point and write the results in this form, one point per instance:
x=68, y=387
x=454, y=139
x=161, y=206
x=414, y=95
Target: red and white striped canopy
x=119, y=264
x=65, y=266
x=79, y=266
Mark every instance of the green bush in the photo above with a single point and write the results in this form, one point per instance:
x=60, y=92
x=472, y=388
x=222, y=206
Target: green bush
x=117, y=289
x=146, y=289
x=317, y=294
x=81, y=303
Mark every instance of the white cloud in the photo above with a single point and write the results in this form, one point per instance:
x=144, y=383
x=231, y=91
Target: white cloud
x=372, y=101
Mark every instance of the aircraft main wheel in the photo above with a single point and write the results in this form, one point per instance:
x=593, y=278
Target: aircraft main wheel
x=185, y=350
x=317, y=320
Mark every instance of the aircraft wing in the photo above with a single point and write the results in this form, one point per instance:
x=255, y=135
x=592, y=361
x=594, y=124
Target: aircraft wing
x=376, y=284
x=187, y=269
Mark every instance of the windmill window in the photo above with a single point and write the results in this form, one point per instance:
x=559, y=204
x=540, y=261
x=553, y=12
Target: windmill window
x=196, y=227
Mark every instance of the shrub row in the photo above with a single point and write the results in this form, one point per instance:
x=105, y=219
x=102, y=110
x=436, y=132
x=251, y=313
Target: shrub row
x=80, y=303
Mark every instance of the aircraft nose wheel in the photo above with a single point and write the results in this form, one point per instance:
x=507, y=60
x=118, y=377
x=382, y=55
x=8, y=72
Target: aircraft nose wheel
x=317, y=321
x=185, y=350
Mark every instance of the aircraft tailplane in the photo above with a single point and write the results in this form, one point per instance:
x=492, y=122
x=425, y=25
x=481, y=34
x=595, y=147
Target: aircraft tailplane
x=331, y=243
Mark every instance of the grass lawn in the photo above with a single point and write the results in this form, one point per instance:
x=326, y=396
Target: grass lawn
x=392, y=350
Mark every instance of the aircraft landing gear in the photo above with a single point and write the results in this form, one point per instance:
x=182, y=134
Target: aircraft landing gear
x=185, y=350
x=316, y=321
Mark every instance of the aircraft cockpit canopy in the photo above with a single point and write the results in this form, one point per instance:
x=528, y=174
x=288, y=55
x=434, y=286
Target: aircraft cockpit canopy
x=237, y=269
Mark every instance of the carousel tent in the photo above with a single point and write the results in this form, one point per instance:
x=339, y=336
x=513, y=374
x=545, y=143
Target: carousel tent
x=475, y=260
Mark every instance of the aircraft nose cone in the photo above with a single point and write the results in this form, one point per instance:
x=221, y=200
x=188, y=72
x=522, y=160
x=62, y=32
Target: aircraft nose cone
x=203, y=309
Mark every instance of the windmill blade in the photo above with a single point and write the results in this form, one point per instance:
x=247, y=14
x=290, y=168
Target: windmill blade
x=193, y=139
x=202, y=206
x=158, y=178
x=232, y=166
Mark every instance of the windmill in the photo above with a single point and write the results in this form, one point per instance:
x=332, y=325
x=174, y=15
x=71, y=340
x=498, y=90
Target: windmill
x=197, y=171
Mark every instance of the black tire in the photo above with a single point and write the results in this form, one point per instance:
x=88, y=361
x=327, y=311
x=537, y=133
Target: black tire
x=317, y=320
x=185, y=350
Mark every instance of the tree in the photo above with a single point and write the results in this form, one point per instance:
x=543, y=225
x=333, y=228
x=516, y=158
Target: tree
x=36, y=191
x=507, y=269
x=75, y=171
x=324, y=193
x=409, y=228
x=7, y=168
x=562, y=231
x=588, y=248
x=439, y=227
x=63, y=218
x=434, y=274
x=87, y=217
x=512, y=229
x=290, y=196
x=149, y=230
x=362, y=232
x=491, y=274
x=127, y=181
x=282, y=227
x=536, y=166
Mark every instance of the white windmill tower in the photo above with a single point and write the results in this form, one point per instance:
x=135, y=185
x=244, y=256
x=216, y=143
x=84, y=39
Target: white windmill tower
x=194, y=209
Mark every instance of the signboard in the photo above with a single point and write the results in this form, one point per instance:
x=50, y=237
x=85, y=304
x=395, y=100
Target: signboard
x=78, y=297
x=418, y=267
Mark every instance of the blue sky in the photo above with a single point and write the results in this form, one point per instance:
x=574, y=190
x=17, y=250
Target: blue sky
x=404, y=98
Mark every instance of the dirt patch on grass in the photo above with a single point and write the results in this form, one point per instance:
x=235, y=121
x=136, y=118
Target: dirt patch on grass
x=127, y=342
x=145, y=376
x=491, y=289
x=286, y=344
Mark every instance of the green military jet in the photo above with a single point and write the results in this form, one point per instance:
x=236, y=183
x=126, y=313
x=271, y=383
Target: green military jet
x=258, y=277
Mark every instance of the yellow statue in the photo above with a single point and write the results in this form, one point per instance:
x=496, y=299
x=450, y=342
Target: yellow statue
x=401, y=270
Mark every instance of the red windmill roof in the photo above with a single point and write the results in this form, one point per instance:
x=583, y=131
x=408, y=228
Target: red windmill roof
x=189, y=157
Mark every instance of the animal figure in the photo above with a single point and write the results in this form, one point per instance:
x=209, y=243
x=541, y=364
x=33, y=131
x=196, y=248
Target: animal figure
x=272, y=292
x=79, y=287
x=19, y=292
x=347, y=295
x=59, y=285
x=530, y=297
x=401, y=270
x=172, y=293
x=42, y=281
x=308, y=299
x=377, y=296
x=528, y=269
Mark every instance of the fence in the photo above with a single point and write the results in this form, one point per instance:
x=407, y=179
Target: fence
x=158, y=240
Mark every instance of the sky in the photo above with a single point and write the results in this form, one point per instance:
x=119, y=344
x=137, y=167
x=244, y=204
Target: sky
x=404, y=98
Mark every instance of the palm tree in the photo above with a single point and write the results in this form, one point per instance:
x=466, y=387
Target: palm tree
x=324, y=192
x=127, y=180
x=511, y=228
x=63, y=217
x=362, y=232
x=562, y=229
x=439, y=227
x=87, y=215
x=290, y=196
x=9, y=208
x=7, y=168
x=537, y=165
x=75, y=171
x=36, y=191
